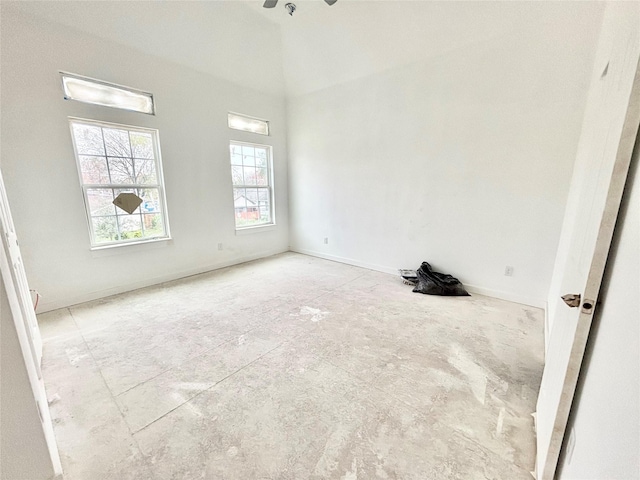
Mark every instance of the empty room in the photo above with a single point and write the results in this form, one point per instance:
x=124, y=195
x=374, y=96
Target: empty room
x=319, y=239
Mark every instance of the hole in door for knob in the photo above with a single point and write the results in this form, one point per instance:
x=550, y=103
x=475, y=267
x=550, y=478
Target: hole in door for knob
x=587, y=306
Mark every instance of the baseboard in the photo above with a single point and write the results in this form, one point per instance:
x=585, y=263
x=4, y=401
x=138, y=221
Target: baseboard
x=348, y=261
x=57, y=303
x=502, y=295
x=46, y=306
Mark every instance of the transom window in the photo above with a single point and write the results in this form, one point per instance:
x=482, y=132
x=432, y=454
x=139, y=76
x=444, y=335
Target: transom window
x=115, y=161
x=98, y=92
x=248, y=124
x=252, y=184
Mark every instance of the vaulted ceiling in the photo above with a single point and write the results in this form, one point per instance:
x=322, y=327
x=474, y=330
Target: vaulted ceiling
x=319, y=46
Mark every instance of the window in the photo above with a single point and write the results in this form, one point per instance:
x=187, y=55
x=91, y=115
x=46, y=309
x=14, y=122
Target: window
x=97, y=92
x=248, y=124
x=115, y=161
x=252, y=184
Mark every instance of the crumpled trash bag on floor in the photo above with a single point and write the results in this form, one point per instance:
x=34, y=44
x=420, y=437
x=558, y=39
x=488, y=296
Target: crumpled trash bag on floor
x=433, y=283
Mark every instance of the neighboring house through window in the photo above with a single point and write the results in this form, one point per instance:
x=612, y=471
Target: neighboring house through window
x=113, y=160
x=251, y=172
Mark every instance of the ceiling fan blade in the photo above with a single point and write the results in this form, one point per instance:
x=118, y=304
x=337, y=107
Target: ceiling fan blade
x=330, y=2
x=270, y=3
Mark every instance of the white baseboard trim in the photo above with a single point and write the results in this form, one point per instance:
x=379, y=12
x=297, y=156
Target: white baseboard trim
x=348, y=261
x=502, y=295
x=47, y=306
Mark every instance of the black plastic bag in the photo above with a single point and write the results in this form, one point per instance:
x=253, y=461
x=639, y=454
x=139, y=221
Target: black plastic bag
x=434, y=283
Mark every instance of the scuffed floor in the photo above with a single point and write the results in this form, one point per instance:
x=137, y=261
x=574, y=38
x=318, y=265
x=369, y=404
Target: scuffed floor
x=293, y=367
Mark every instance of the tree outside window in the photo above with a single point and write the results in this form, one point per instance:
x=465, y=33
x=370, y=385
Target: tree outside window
x=114, y=159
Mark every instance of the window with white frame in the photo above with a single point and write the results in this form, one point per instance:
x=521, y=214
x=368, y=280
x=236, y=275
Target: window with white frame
x=251, y=173
x=120, y=172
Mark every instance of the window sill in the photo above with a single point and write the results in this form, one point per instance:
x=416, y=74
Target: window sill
x=256, y=229
x=105, y=249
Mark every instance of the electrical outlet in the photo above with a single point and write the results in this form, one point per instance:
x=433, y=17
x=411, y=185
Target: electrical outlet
x=219, y=246
x=508, y=271
x=326, y=240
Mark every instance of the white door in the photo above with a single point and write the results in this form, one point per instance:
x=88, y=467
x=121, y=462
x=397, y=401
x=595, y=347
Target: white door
x=608, y=135
x=19, y=280
x=15, y=283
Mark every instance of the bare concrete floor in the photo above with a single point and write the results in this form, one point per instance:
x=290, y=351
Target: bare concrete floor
x=293, y=367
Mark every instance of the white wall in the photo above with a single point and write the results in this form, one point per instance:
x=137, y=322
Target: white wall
x=23, y=449
x=324, y=47
x=605, y=417
x=463, y=160
x=41, y=176
x=224, y=38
